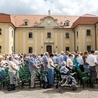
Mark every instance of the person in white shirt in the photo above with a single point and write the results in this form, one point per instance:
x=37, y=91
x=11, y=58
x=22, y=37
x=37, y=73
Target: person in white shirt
x=70, y=62
x=18, y=65
x=92, y=63
x=12, y=71
x=96, y=56
x=80, y=61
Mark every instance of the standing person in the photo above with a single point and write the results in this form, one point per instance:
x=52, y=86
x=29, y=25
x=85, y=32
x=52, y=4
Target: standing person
x=96, y=56
x=45, y=60
x=12, y=71
x=75, y=61
x=33, y=67
x=51, y=67
x=18, y=65
x=80, y=61
x=61, y=58
x=65, y=57
x=70, y=65
x=55, y=59
x=86, y=65
x=92, y=63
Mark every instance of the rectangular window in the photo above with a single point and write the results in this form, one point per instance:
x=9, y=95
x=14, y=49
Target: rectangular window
x=67, y=35
x=0, y=48
x=48, y=35
x=67, y=49
x=30, y=35
x=88, y=32
x=0, y=31
x=88, y=48
x=77, y=33
x=30, y=50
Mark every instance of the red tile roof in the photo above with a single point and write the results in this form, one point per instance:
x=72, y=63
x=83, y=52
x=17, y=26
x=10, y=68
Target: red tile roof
x=85, y=21
x=18, y=20
x=5, y=18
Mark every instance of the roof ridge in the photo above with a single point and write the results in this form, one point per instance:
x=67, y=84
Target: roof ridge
x=45, y=15
x=27, y=15
x=4, y=14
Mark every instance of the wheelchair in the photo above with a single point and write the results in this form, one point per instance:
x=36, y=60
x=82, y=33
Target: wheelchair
x=64, y=82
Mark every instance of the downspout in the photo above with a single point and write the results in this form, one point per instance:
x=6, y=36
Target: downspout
x=14, y=39
x=74, y=40
x=95, y=38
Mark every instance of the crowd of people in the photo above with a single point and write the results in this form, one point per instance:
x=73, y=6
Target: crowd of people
x=66, y=61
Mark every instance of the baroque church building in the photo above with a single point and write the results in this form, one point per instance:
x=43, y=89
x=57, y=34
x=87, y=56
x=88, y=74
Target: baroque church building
x=52, y=33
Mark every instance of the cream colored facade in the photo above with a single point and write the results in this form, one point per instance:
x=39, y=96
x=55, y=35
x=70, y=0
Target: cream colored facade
x=39, y=41
x=82, y=41
x=6, y=38
x=16, y=38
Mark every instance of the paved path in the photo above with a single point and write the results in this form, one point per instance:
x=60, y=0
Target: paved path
x=50, y=93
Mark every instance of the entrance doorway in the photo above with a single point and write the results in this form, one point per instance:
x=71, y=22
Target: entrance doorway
x=49, y=49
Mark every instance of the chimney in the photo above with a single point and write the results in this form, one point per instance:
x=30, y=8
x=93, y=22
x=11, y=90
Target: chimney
x=49, y=12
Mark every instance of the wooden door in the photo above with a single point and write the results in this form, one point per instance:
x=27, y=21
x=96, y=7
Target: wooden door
x=49, y=49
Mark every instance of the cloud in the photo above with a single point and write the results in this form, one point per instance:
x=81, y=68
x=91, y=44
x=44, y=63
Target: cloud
x=57, y=7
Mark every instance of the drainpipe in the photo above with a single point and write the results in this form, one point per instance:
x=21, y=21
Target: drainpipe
x=95, y=38
x=14, y=39
x=74, y=40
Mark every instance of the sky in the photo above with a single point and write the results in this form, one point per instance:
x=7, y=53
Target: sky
x=57, y=7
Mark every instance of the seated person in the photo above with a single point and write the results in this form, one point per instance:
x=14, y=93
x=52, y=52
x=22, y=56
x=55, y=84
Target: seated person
x=65, y=75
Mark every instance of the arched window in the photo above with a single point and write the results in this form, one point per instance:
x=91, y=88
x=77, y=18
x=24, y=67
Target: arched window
x=66, y=23
x=26, y=21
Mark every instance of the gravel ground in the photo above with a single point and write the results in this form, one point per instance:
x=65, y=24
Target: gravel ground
x=50, y=93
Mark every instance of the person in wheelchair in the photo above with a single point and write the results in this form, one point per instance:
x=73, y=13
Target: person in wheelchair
x=66, y=77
